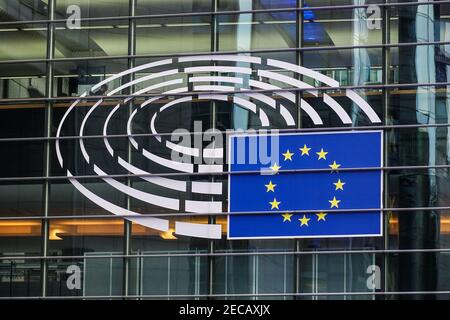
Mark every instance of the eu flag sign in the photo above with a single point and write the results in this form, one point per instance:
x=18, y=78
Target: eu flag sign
x=316, y=185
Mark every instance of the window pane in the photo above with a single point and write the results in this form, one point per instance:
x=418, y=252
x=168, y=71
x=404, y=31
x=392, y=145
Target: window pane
x=173, y=35
x=27, y=41
x=92, y=8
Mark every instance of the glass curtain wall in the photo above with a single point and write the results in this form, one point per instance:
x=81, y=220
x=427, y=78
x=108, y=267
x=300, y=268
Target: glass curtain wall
x=54, y=241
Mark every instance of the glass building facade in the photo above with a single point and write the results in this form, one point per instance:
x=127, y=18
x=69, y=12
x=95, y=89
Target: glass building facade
x=393, y=53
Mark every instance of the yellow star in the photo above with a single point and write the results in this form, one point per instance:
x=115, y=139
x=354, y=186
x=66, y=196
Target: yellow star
x=275, y=168
x=275, y=204
x=270, y=186
x=334, y=202
x=322, y=154
x=287, y=217
x=304, y=221
x=321, y=216
x=288, y=155
x=305, y=150
x=334, y=165
x=339, y=185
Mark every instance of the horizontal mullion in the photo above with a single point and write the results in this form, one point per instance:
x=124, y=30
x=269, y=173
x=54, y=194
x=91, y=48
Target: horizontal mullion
x=228, y=12
x=223, y=173
x=233, y=92
x=237, y=213
x=231, y=131
x=228, y=254
x=196, y=53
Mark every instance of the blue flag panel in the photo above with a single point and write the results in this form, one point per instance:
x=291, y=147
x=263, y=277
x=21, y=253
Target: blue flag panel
x=268, y=189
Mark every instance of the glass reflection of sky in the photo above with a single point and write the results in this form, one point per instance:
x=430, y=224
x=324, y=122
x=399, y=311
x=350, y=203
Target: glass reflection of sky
x=313, y=32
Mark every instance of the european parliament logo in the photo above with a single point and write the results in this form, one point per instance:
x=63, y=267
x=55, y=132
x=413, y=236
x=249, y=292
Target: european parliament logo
x=322, y=185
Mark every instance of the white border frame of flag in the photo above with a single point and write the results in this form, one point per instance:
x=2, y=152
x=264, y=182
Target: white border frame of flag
x=230, y=137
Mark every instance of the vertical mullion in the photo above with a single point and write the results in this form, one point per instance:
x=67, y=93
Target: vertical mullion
x=212, y=219
x=127, y=223
x=298, y=94
x=48, y=120
x=385, y=79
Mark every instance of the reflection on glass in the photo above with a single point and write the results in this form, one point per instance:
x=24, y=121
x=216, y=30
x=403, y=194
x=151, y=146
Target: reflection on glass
x=73, y=237
x=21, y=199
x=92, y=9
x=20, y=277
x=90, y=276
x=146, y=7
x=173, y=35
x=24, y=80
x=158, y=270
x=72, y=78
x=23, y=41
x=245, y=32
x=105, y=38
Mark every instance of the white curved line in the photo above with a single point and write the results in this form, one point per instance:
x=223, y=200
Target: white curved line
x=210, y=168
x=129, y=121
x=267, y=86
x=220, y=97
x=105, y=130
x=263, y=118
x=216, y=79
x=58, y=132
x=177, y=90
x=245, y=103
x=342, y=114
x=305, y=106
x=184, y=167
x=152, y=127
x=288, y=80
x=145, y=78
x=158, y=85
x=148, y=101
x=83, y=124
x=249, y=59
x=134, y=143
x=135, y=69
x=176, y=101
x=164, y=202
x=207, y=187
x=160, y=181
x=185, y=150
x=213, y=153
x=360, y=102
x=213, y=88
x=251, y=106
x=218, y=69
x=207, y=231
x=305, y=71
x=154, y=223
x=203, y=206
x=272, y=103
x=263, y=98
x=287, y=116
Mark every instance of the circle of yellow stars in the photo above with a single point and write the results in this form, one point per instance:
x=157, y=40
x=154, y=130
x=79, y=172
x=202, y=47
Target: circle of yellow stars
x=271, y=187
